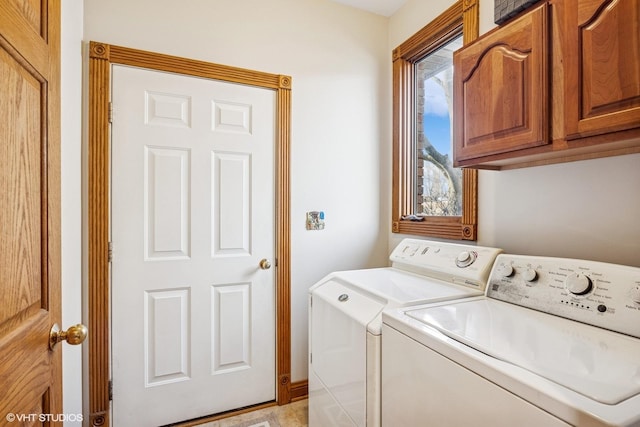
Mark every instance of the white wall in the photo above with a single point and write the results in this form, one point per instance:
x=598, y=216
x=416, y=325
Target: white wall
x=587, y=209
x=413, y=16
x=340, y=66
x=71, y=152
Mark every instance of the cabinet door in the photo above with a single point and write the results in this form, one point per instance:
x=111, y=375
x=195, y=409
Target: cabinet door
x=501, y=90
x=602, y=66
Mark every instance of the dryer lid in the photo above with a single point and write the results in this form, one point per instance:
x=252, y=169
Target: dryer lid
x=400, y=288
x=599, y=364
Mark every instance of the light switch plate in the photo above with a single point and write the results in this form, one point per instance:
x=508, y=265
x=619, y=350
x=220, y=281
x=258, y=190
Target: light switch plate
x=315, y=220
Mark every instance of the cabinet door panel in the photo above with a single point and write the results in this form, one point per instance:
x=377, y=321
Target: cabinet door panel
x=501, y=90
x=604, y=68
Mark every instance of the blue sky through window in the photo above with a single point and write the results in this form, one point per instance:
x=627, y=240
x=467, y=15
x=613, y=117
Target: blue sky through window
x=437, y=129
x=437, y=123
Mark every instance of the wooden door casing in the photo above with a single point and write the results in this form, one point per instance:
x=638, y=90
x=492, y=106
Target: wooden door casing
x=30, y=374
x=101, y=58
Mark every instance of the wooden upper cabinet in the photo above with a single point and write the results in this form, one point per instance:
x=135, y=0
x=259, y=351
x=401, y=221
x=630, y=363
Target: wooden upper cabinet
x=501, y=89
x=602, y=66
x=559, y=83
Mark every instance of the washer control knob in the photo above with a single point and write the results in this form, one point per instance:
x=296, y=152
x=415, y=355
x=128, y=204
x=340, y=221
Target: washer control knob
x=465, y=259
x=635, y=294
x=579, y=284
x=506, y=270
x=530, y=275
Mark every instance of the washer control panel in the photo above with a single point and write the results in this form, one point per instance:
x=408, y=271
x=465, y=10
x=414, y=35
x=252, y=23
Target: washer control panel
x=600, y=294
x=461, y=264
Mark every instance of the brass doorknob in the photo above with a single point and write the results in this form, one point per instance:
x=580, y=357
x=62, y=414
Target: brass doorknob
x=265, y=264
x=74, y=335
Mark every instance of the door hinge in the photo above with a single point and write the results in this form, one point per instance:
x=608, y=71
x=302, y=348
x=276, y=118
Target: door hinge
x=110, y=112
x=110, y=390
x=110, y=252
x=311, y=358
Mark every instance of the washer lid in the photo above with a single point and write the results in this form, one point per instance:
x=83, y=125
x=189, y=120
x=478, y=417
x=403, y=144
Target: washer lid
x=400, y=288
x=599, y=364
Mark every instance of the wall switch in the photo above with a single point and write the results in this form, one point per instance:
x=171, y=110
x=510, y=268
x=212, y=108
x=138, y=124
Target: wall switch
x=315, y=220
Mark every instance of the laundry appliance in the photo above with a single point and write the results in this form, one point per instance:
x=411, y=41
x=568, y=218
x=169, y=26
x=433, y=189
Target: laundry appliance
x=555, y=342
x=345, y=320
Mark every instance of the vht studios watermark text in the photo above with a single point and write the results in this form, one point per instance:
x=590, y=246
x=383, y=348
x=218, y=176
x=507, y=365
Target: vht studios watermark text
x=11, y=417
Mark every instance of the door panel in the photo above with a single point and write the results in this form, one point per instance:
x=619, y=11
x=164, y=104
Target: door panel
x=230, y=177
x=21, y=154
x=193, y=215
x=30, y=374
x=231, y=328
x=167, y=191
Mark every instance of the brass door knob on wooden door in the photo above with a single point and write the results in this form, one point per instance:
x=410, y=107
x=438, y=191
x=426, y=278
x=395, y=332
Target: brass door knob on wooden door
x=74, y=335
x=265, y=264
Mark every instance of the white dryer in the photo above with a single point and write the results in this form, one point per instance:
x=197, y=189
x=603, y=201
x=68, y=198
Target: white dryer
x=345, y=320
x=555, y=342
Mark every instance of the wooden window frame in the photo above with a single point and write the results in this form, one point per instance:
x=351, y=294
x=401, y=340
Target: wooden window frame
x=462, y=16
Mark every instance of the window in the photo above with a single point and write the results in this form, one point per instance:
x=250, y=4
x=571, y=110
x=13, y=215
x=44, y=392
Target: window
x=438, y=183
x=430, y=196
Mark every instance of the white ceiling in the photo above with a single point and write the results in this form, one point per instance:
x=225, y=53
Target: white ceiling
x=381, y=7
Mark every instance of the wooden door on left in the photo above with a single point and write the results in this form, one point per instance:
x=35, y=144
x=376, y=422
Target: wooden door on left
x=30, y=373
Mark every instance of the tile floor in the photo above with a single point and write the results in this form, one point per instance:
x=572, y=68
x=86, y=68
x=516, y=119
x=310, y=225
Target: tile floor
x=292, y=415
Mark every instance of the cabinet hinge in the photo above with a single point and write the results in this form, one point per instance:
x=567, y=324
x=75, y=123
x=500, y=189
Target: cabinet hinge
x=110, y=390
x=110, y=112
x=110, y=252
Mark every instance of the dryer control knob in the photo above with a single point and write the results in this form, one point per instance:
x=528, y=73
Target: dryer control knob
x=635, y=294
x=579, y=284
x=506, y=270
x=530, y=275
x=465, y=259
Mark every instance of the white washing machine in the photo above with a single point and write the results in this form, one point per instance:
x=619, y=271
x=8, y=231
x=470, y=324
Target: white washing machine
x=555, y=342
x=345, y=320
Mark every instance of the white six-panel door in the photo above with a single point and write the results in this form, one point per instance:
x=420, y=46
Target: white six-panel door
x=193, y=314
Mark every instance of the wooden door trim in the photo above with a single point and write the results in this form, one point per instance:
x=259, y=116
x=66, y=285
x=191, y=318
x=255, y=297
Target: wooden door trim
x=101, y=57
